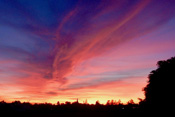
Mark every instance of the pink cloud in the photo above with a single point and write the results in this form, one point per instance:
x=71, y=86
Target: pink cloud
x=90, y=45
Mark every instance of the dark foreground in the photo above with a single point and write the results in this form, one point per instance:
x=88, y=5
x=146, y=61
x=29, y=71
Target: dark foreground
x=71, y=110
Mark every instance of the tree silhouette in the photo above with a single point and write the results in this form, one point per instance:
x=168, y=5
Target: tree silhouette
x=159, y=90
x=131, y=101
x=97, y=102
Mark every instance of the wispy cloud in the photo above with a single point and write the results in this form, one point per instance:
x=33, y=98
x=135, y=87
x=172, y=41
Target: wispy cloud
x=84, y=43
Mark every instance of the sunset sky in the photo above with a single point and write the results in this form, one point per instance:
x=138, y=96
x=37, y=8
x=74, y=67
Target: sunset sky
x=61, y=50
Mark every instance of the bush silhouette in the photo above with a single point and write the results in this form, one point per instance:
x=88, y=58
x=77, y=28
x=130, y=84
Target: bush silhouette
x=159, y=89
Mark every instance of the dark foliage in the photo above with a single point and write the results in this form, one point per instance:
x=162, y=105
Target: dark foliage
x=159, y=91
x=66, y=109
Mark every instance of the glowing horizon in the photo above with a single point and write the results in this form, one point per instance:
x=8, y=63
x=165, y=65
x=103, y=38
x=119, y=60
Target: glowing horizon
x=96, y=50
